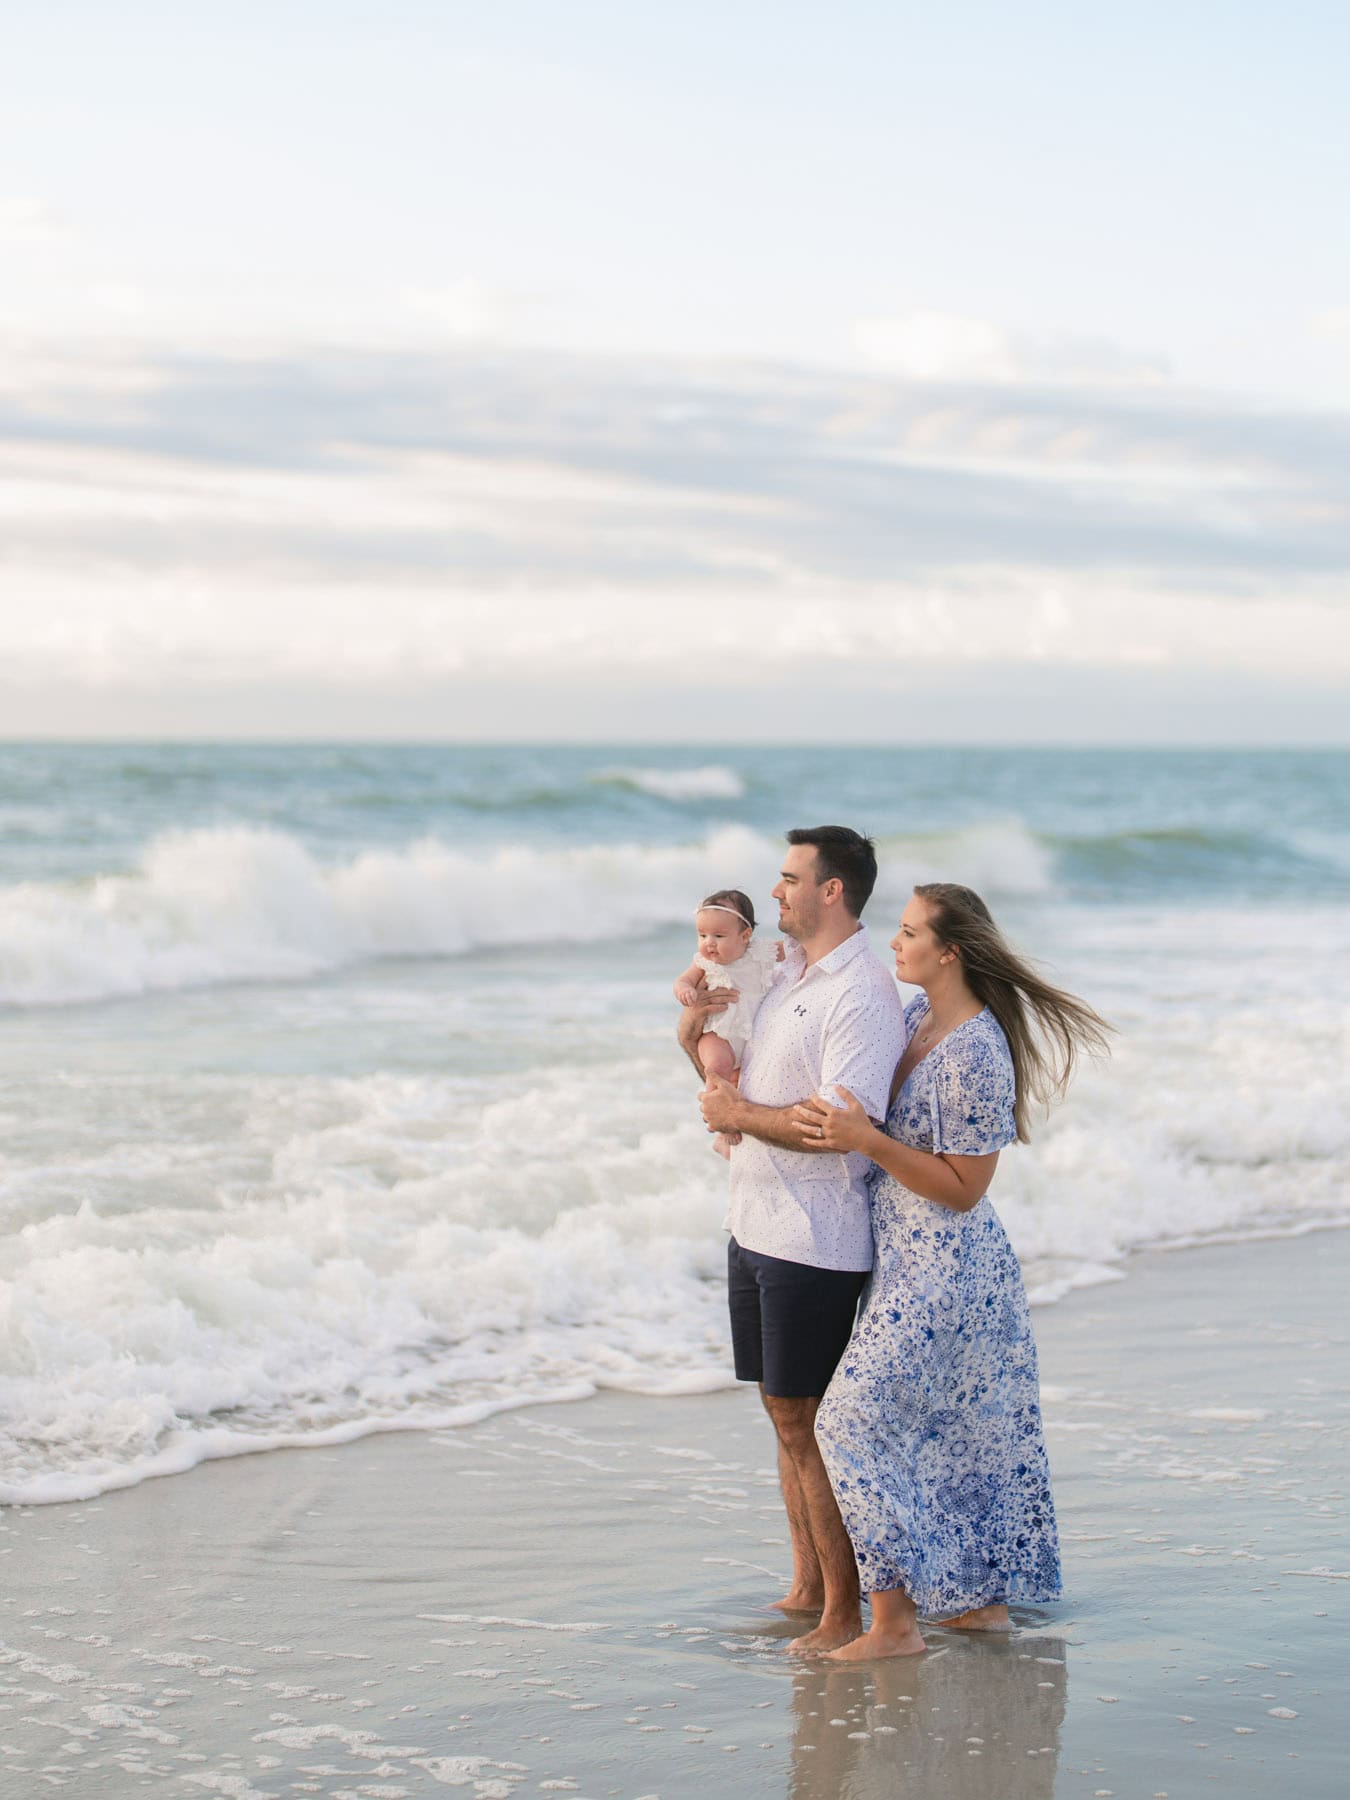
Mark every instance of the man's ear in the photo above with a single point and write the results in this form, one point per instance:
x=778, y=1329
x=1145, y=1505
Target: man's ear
x=832, y=891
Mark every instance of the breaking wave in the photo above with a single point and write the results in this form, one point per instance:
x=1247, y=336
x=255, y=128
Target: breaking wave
x=238, y=903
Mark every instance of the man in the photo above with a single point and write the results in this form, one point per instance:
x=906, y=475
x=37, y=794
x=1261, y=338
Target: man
x=801, y=1242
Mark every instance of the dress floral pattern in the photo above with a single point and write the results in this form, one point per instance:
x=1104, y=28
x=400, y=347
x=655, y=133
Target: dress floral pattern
x=931, y=1428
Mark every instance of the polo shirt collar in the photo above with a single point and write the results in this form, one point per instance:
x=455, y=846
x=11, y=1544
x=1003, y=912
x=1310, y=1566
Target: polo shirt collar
x=839, y=958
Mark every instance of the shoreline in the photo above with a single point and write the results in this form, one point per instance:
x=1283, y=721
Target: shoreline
x=183, y=1453
x=571, y=1598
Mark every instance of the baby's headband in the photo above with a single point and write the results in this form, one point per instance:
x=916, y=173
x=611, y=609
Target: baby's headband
x=717, y=906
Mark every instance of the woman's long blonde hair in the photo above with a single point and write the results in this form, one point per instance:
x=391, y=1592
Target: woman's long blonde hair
x=1047, y=1029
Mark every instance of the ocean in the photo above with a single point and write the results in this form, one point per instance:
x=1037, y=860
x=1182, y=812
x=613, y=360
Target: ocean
x=340, y=1091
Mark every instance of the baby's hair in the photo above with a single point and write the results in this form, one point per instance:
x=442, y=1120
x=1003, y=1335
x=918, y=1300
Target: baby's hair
x=731, y=900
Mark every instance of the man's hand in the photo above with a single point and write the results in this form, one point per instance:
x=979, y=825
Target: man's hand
x=708, y=1002
x=718, y=1102
x=726, y=1110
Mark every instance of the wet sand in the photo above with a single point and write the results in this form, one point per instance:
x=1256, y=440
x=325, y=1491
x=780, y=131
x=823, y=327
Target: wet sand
x=572, y=1599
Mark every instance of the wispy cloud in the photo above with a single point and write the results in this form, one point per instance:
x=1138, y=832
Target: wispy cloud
x=933, y=346
x=370, y=515
x=26, y=220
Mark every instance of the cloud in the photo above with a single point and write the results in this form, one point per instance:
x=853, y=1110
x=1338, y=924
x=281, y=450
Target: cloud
x=462, y=310
x=548, y=467
x=930, y=346
x=26, y=220
x=933, y=346
x=379, y=517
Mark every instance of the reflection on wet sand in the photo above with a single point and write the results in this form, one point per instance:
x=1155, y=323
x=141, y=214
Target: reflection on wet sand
x=976, y=1718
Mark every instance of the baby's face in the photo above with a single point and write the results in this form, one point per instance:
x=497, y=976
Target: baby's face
x=722, y=938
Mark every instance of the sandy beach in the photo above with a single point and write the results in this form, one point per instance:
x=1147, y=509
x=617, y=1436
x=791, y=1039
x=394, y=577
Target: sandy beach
x=572, y=1598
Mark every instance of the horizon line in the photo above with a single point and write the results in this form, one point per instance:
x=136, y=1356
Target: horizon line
x=392, y=742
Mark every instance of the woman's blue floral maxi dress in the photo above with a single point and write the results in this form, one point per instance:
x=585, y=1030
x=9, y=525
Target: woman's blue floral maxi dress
x=931, y=1428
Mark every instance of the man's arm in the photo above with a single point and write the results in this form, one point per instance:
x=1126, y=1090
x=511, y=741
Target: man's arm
x=725, y=1110
x=863, y=1048
x=694, y=1019
x=863, y=1044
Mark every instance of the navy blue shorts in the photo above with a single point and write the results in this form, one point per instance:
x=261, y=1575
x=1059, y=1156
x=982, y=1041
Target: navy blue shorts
x=789, y=1322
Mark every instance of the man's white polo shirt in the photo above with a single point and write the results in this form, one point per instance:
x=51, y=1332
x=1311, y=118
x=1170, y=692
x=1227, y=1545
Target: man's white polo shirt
x=840, y=1021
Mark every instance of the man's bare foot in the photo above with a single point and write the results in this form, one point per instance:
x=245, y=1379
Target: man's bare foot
x=799, y=1600
x=979, y=1618
x=830, y=1634
x=875, y=1644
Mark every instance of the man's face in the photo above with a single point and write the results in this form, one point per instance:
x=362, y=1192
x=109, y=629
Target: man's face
x=798, y=893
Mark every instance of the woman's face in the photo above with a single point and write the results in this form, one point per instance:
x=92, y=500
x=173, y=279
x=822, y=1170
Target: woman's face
x=918, y=953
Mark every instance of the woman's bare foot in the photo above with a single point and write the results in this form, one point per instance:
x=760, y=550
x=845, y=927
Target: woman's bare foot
x=875, y=1644
x=979, y=1618
x=830, y=1634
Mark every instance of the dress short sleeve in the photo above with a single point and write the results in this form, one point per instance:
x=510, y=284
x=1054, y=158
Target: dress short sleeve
x=764, y=952
x=973, y=1091
x=914, y=1013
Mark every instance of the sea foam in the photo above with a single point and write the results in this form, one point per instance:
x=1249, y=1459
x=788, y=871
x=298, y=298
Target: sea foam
x=447, y=1183
x=711, y=782
x=238, y=903
x=399, y=1269
x=400, y=1253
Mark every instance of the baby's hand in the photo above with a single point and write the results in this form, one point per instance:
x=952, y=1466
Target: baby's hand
x=686, y=993
x=778, y=951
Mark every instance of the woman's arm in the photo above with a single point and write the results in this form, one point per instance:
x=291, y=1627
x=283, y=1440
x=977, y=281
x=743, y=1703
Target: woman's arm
x=956, y=1182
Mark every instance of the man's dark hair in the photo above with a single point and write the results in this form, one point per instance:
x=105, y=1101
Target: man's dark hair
x=842, y=855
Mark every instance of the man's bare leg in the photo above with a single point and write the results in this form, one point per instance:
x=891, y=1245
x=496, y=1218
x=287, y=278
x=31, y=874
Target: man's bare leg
x=841, y=1615
x=807, y=1593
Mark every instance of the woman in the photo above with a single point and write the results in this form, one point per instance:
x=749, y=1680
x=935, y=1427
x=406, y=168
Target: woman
x=931, y=1428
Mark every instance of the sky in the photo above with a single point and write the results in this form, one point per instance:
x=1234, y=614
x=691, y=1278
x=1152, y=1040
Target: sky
x=597, y=371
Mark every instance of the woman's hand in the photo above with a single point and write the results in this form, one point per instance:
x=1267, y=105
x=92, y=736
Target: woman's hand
x=834, y=1128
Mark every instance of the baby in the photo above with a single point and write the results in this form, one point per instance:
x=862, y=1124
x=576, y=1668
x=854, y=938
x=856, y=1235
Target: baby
x=727, y=958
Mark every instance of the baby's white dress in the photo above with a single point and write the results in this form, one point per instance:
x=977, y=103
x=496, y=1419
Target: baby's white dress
x=752, y=976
